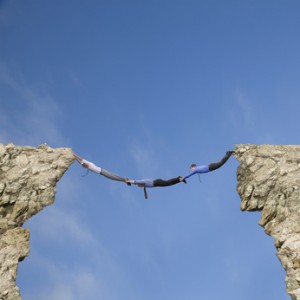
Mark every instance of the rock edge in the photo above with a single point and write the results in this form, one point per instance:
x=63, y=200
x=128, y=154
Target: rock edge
x=269, y=181
x=28, y=178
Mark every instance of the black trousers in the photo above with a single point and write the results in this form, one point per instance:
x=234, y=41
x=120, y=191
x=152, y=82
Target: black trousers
x=161, y=182
x=217, y=165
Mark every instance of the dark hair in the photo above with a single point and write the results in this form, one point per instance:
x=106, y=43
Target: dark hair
x=193, y=166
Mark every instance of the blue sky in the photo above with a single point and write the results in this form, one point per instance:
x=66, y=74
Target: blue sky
x=144, y=89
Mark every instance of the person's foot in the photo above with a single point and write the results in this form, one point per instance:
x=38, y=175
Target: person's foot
x=230, y=152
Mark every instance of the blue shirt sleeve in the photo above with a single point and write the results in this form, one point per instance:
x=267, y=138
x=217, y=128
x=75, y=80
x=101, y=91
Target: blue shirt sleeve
x=189, y=175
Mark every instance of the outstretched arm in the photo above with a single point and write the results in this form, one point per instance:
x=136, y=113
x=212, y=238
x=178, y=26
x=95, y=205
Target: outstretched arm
x=92, y=167
x=129, y=181
x=78, y=158
x=190, y=174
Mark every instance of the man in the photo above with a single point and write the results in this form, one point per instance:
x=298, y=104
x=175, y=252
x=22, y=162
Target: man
x=144, y=183
x=92, y=167
x=208, y=168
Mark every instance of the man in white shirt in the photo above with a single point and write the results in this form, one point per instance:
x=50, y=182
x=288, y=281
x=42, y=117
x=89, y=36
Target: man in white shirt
x=92, y=167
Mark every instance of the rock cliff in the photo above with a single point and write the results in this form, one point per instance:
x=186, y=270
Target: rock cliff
x=28, y=178
x=269, y=181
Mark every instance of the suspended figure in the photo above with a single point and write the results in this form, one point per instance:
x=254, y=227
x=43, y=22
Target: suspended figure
x=92, y=167
x=198, y=169
x=150, y=183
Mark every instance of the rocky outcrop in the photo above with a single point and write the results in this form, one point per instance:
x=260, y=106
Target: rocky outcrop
x=28, y=178
x=269, y=181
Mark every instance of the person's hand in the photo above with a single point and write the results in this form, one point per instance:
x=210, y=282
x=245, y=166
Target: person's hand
x=128, y=181
x=181, y=179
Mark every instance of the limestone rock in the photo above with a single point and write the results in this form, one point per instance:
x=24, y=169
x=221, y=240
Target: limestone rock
x=269, y=181
x=28, y=178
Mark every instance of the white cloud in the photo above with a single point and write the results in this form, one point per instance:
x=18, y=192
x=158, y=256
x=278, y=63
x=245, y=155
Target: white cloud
x=245, y=109
x=242, y=115
x=149, y=155
x=144, y=157
x=75, y=79
x=88, y=277
x=32, y=118
x=66, y=283
x=68, y=253
x=58, y=292
x=56, y=220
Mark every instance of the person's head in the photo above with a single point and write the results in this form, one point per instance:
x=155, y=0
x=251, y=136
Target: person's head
x=193, y=166
x=85, y=165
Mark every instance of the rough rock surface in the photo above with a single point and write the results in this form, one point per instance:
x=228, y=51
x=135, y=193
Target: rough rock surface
x=28, y=178
x=269, y=181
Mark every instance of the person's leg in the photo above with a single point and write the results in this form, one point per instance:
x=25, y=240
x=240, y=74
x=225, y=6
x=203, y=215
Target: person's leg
x=161, y=182
x=112, y=176
x=217, y=165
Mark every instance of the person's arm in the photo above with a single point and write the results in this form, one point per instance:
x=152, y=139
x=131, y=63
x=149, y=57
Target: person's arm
x=191, y=174
x=129, y=181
